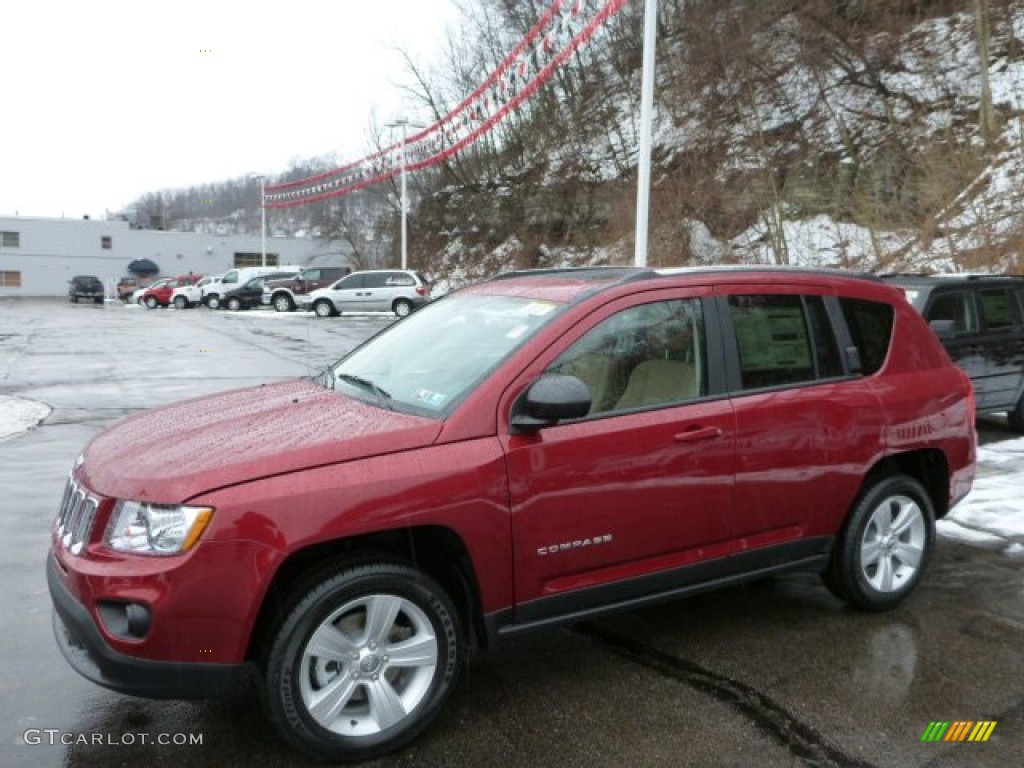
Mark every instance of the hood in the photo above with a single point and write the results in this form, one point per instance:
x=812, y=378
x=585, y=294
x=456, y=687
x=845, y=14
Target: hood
x=180, y=451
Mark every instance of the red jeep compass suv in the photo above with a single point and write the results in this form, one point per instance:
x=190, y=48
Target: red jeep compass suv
x=534, y=450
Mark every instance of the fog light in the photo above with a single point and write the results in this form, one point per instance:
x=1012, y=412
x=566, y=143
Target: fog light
x=129, y=621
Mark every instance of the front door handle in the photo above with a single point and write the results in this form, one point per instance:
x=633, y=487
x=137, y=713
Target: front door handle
x=696, y=434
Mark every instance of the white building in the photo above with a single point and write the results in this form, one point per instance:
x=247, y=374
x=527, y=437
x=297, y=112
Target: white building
x=39, y=256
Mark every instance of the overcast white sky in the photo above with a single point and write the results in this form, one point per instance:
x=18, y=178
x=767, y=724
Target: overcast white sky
x=105, y=100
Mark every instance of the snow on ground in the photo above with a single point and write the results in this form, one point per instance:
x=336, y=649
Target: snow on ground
x=18, y=415
x=992, y=515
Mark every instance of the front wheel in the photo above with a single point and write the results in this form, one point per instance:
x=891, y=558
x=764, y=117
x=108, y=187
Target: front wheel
x=402, y=307
x=213, y=302
x=324, y=308
x=151, y=302
x=1016, y=416
x=363, y=663
x=885, y=546
x=234, y=304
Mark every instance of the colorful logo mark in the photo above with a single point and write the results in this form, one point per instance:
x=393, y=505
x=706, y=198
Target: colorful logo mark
x=959, y=730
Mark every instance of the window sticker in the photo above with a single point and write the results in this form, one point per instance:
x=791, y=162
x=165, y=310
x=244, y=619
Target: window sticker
x=429, y=398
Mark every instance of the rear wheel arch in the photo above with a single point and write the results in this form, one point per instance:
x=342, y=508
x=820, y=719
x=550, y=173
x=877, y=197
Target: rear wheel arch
x=928, y=466
x=436, y=551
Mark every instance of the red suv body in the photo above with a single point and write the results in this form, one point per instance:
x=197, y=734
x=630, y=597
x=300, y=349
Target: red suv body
x=534, y=450
x=160, y=295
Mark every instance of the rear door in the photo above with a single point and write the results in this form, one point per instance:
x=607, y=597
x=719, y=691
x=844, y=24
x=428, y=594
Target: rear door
x=805, y=427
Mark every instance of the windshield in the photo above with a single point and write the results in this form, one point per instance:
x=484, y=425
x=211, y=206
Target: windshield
x=427, y=363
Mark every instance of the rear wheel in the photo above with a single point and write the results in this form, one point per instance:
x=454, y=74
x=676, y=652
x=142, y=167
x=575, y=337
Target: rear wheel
x=885, y=546
x=363, y=663
x=283, y=303
x=98, y=300
x=180, y=302
x=402, y=307
x=213, y=302
x=324, y=308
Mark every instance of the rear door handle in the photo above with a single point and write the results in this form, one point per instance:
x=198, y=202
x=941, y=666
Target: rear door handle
x=696, y=434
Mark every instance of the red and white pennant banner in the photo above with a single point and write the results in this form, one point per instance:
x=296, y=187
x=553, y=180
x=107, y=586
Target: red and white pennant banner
x=564, y=27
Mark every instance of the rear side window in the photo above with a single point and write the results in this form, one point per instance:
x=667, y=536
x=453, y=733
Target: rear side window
x=999, y=308
x=783, y=339
x=870, y=326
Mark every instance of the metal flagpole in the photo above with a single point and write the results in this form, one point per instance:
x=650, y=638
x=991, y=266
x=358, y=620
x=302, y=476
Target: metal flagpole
x=404, y=202
x=263, y=221
x=643, y=191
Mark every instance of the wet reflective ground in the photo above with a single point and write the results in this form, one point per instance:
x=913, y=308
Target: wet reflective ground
x=776, y=673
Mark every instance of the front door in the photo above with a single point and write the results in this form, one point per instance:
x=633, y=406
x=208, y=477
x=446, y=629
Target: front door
x=626, y=501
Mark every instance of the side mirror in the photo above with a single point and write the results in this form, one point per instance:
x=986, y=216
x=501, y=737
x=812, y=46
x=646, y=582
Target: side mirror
x=549, y=400
x=943, y=328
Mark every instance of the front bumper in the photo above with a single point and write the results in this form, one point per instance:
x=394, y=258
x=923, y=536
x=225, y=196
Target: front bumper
x=89, y=654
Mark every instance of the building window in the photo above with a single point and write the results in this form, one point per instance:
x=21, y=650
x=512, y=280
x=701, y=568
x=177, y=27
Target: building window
x=254, y=260
x=10, y=279
x=106, y=242
x=10, y=239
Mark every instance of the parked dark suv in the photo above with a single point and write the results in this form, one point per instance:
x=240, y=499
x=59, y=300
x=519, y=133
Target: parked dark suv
x=283, y=294
x=85, y=287
x=523, y=453
x=980, y=321
x=250, y=293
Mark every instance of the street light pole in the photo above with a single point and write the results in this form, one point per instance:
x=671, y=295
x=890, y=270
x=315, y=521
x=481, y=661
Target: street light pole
x=404, y=201
x=263, y=221
x=643, y=183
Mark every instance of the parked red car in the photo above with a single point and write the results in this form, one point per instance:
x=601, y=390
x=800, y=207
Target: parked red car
x=531, y=451
x=160, y=295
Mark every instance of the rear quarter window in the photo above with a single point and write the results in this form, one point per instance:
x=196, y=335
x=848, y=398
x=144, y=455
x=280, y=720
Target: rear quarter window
x=870, y=326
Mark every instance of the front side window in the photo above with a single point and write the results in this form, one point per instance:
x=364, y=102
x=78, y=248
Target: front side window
x=428, y=363
x=644, y=356
x=956, y=309
x=351, y=282
x=999, y=308
x=782, y=340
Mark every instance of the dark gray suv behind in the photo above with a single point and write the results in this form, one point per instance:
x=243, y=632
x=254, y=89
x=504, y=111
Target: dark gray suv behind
x=85, y=287
x=980, y=321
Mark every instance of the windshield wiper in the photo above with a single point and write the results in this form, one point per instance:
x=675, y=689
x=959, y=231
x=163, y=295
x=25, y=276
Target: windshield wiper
x=383, y=398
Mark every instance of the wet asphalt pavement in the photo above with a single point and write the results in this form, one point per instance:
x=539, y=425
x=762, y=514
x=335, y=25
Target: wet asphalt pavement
x=776, y=673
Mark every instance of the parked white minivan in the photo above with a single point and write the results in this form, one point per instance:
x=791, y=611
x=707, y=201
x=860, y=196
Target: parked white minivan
x=374, y=290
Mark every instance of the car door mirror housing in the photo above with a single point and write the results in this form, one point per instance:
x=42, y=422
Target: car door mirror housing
x=943, y=328
x=549, y=400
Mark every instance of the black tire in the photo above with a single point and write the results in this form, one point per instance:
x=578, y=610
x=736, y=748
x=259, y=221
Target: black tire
x=402, y=307
x=1016, y=416
x=74, y=299
x=283, y=303
x=180, y=302
x=98, y=301
x=902, y=551
x=234, y=304
x=414, y=612
x=151, y=302
x=213, y=302
x=324, y=308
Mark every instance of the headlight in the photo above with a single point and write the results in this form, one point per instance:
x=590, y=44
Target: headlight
x=156, y=529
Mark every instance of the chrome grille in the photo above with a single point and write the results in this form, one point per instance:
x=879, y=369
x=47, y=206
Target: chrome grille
x=75, y=518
